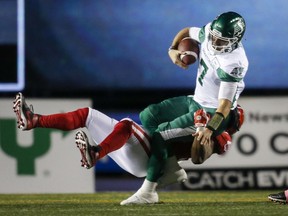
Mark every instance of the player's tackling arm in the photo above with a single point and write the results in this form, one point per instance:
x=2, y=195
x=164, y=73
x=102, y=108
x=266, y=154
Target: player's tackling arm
x=204, y=136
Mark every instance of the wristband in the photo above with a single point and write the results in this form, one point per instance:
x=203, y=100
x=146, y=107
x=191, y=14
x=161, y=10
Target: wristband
x=215, y=121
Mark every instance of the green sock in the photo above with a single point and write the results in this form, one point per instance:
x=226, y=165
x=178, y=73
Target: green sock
x=158, y=158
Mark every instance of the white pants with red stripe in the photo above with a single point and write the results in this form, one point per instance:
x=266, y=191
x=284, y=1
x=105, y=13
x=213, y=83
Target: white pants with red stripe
x=132, y=156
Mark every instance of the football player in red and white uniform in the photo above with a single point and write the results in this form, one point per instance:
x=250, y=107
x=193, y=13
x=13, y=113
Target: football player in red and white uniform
x=126, y=142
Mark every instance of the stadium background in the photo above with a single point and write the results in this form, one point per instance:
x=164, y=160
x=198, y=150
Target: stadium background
x=113, y=54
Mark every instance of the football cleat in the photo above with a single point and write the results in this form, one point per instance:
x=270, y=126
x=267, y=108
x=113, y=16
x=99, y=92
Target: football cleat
x=88, y=152
x=26, y=119
x=281, y=197
x=140, y=198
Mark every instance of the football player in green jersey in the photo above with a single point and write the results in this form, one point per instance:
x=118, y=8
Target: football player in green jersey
x=222, y=68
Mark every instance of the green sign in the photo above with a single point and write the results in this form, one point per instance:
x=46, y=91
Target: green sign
x=25, y=156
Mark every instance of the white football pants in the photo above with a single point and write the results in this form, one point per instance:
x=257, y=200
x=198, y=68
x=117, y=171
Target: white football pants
x=132, y=156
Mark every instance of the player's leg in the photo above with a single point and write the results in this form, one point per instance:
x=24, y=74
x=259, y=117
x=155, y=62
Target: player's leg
x=115, y=140
x=134, y=154
x=160, y=120
x=167, y=132
x=175, y=131
x=146, y=194
x=156, y=165
x=151, y=117
x=27, y=119
x=161, y=171
x=154, y=115
x=135, y=150
x=99, y=126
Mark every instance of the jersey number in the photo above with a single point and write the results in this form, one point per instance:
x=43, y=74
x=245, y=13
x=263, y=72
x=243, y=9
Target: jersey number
x=203, y=72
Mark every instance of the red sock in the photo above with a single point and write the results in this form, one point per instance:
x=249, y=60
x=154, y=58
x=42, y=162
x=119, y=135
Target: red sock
x=64, y=121
x=116, y=139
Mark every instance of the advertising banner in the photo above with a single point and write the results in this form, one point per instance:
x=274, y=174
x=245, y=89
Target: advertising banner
x=258, y=157
x=41, y=160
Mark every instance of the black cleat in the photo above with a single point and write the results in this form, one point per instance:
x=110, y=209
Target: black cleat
x=279, y=197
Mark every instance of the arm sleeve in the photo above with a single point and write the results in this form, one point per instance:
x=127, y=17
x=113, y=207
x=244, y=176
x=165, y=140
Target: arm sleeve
x=227, y=90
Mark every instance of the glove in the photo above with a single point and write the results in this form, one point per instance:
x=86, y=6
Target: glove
x=222, y=143
x=200, y=118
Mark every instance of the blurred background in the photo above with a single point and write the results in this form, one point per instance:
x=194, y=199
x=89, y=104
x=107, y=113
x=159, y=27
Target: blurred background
x=114, y=54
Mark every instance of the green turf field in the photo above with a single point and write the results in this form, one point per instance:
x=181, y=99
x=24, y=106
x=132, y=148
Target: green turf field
x=172, y=203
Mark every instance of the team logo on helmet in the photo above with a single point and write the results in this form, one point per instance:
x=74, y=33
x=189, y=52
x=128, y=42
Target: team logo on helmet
x=239, y=26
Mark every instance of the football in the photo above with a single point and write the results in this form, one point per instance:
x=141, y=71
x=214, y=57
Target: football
x=191, y=49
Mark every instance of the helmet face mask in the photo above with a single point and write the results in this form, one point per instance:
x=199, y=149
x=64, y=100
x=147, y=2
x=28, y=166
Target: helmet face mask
x=221, y=44
x=226, y=32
